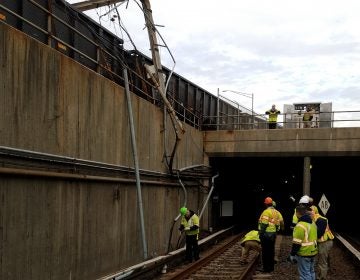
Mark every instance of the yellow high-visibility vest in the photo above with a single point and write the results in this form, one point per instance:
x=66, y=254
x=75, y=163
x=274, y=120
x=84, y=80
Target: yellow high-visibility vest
x=251, y=235
x=269, y=217
x=327, y=234
x=193, y=221
x=273, y=115
x=305, y=234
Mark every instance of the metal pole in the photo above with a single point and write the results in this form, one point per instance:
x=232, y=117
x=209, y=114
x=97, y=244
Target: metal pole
x=252, y=110
x=217, y=110
x=307, y=176
x=136, y=162
x=238, y=119
x=153, y=44
x=249, y=95
x=209, y=195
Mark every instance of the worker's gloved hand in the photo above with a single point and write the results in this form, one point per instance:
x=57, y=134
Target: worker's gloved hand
x=187, y=228
x=181, y=228
x=292, y=259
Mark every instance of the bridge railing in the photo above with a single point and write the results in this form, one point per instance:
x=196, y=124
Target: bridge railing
x=245, y=121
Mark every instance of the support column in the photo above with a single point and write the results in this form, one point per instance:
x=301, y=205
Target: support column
x=307, y=176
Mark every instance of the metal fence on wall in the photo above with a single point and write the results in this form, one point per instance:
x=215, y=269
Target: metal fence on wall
x=260, y=121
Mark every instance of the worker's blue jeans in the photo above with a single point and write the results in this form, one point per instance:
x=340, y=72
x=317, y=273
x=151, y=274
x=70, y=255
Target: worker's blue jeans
x=306, y=267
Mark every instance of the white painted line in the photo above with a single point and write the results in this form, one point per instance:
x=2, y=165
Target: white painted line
x=349, y=246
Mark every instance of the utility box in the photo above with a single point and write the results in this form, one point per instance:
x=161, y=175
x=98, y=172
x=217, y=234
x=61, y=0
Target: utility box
x=321, y=112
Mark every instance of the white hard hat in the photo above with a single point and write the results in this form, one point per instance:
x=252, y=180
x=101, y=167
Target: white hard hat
x=304, y=199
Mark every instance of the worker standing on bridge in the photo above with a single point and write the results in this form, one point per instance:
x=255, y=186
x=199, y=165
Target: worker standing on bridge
x=308, y=116
x=325, y=243
x=304, y=244
x=273, y=114
x=250, y=242
x=190, y=224
x=267, y=234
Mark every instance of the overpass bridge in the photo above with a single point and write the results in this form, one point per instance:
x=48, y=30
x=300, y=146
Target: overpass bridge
x=341, y=141
x=284, y=163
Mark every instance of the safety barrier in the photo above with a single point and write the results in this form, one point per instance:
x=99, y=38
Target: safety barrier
x=243, y=121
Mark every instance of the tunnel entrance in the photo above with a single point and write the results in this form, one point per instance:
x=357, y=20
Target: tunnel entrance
x=243, y=183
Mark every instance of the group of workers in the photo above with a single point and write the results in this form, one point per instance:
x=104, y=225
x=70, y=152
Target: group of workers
x=273, y=115
x=311, y=238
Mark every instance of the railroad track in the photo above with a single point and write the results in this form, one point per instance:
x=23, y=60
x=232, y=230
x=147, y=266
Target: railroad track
x=220, y=259
x=221, y=262
x=354, y=241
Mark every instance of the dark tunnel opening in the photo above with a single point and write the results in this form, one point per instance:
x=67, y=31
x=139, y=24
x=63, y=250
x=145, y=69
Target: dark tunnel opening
x=243, y=184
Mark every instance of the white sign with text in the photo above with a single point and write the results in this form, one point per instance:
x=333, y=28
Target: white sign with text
x=324, y=204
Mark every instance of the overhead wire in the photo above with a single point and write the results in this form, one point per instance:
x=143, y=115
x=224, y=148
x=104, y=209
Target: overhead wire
x=125, y=30
x=70, y=13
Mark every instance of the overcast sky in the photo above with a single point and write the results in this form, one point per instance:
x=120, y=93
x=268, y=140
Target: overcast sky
x=282, y=51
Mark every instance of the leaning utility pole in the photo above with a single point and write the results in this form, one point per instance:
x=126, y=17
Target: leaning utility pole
x=155, y=73
x=158, y=75
x=149, y=22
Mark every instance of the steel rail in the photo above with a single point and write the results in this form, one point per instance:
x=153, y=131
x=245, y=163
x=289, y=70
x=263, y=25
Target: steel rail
x=205, y=260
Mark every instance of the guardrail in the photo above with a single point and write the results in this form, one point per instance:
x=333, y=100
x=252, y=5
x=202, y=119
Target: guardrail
x=243, y=121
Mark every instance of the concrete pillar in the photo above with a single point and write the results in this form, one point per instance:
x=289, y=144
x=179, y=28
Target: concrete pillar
x=307, y=176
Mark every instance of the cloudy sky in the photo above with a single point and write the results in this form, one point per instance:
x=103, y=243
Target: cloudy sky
x=282, y=51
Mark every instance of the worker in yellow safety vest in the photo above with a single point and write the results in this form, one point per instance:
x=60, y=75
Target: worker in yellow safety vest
x=325, y=243
x=307, y=201
x=307, y=117
x=250, y=242
x=273, y=114
x=267, y=233
x=279, y=221
x=304, y=244
x=313, y=207
x=191, y=226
